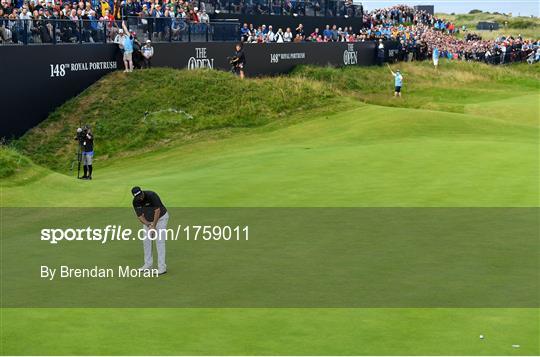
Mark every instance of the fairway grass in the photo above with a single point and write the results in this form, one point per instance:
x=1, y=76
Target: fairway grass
x=409, y=152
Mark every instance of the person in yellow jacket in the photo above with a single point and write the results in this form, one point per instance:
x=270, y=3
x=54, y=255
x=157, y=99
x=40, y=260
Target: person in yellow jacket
x=104, y=7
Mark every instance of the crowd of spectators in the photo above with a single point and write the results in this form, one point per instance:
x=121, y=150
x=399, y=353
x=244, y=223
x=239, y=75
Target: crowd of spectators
x=418, y=33
x=498, y=51
x=33, y=21
x=335, y=8
x=89, y=21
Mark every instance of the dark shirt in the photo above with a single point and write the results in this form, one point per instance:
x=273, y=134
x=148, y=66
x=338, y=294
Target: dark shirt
x=148, y=205
x=239, y=59
x=88, y=143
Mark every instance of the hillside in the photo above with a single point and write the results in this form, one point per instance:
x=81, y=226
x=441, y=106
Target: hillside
x=308, y=139
x=11, y=162
x=180, y=104
x=186, y=107
x=528, y=27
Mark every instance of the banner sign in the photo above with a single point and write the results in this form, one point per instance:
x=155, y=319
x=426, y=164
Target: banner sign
x=40, y=78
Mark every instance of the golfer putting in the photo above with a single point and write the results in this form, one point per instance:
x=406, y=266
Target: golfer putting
x=398, y=81
x=154, y=216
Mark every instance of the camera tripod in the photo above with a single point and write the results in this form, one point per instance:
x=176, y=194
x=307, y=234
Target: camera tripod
x=78, y=158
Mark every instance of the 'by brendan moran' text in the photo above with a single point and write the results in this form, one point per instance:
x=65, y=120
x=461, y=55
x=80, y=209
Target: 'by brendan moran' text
x=67, y=272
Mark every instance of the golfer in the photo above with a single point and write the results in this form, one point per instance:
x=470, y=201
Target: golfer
x=398, y=82
x=154, y=217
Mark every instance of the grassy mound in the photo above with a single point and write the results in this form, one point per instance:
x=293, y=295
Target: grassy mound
x=11, y=162
x=179, y=105
x=185, y=106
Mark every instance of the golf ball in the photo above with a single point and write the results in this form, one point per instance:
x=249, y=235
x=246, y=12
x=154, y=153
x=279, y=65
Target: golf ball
x=481, y=337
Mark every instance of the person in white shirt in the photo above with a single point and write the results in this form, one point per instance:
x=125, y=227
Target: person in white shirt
x=119, y=39
x=287, y=36
x=148, y=52
x=25, y=15
x=279, y=36
x=204, y=18
x=503, y=53
x=270, y=36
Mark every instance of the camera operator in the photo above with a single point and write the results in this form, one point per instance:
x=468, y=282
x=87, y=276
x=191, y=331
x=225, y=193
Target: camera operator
x=86, y=144
x=238, y=61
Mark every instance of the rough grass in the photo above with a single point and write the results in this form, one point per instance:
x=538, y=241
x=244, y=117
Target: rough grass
x=187, y=106
x=470, y=20
x=180, y=105
x=11, y=161
x=451, y=88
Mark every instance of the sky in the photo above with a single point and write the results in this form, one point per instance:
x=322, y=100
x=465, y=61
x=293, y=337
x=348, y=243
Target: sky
x=516, y=7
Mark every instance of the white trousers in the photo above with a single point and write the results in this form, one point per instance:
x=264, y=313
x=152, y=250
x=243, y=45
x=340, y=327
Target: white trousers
x=161, y=227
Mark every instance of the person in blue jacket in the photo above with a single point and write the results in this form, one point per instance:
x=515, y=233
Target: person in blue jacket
x=398, y=81
x=435, y=57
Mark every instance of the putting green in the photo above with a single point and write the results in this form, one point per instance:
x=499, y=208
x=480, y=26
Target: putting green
x=271, y=331
x=367, y=156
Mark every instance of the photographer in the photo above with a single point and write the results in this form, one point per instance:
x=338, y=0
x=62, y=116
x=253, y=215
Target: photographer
x=86, y=145
x=238, y=61
x=147, y=52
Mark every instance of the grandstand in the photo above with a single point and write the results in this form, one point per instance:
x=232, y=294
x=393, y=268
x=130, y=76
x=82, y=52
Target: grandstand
x=176, y=29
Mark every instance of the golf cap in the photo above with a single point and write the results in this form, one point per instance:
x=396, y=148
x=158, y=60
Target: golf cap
x=148, y=41
x=135, y=191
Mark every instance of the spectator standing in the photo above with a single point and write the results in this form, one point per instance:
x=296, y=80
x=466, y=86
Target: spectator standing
x=270, y=35
x=119, y=40
x=398, y=82
x=204, y=18
x=279, y=36
x=288, y=36
x=503, y=52
x=128, y=49
x=380, y=53
x=335, y=34
x=238, y=61
x=244, y=33
x=147, y=52
x=300, y=31
x=435, y=57
x=327, y=33
x=314, y=34
x=104, y=8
